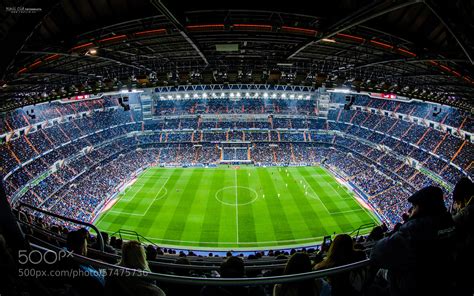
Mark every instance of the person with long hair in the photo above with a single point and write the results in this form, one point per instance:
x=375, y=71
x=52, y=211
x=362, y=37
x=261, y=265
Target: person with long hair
x=463, y=201
x=300, y=263
x=342, y=252
x=134, y=257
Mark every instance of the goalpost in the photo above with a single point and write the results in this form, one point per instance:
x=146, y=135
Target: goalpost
x=235, y=155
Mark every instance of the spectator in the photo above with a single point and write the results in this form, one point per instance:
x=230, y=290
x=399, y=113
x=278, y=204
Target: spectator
x=376, y=234
x=300, y=263
x=464, y=220
x=232, y=267
x=107, y=247
x=133, y=256
x=88, y=279
x=8, y=270
x=419, y=256
x=342, y=252
x=151, y=253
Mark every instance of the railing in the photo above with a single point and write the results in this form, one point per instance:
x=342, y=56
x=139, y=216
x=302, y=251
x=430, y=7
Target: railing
x=133, y=233
x=188, y=280
x=99, y=235
x=363, y=226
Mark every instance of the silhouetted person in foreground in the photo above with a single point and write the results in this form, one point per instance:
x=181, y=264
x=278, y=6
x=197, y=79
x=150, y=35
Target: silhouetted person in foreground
x=300, y=263
x=463, y=198
x=419, y=257
x=342, y=252
x=232, y=267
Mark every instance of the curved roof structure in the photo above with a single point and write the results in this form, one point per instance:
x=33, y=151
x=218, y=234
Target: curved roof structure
x=53, y=49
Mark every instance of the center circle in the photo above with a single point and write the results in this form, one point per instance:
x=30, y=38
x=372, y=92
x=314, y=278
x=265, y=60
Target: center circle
x=236, y=195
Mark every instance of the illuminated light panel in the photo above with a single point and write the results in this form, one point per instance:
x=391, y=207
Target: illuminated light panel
x=445, y=68
x=456, y=73
x=112, y=38
x=299, y=30
x=150, y=32
x=328, y=40
x=407, y=52
x=22, y=70
x=347, y=36
x=381, y=44
x=83, y=45
x=383, y=95
x=52, y=57
x=205, y=27
x=389, y=96
x=434, y=63
x=253, y=26
x=35, y=64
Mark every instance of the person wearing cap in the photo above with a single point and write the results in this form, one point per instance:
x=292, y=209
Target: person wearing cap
x=419, y=257
x=463, y=203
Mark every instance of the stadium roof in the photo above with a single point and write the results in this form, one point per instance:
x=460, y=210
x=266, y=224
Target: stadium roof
x=422, y=49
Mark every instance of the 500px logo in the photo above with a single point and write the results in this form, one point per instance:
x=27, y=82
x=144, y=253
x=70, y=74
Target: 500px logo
x=37, y=257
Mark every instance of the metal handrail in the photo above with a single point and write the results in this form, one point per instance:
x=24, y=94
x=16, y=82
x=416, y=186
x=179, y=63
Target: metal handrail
x=133, y=233
x=175, y=279
x=99, y=235
x=363, y=226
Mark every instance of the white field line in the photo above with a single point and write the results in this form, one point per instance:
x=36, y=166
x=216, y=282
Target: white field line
x=134, y=194
x=332, y=187
x=327, y=210
x=151, y=203
x=317, y=196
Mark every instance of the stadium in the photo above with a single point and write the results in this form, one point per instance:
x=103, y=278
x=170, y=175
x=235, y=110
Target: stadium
x=163, y=148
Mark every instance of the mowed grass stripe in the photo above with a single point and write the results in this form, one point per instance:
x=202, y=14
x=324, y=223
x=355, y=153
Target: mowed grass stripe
x=279, y=220
x=293, y=200
x=119, y=216
x=227, y=226
x=168, y=205
x=264, y=229
x=309, y=212
x=246, y=214
x=197, y=213
x=153, y=218
x=359, y=216
x=126, y=213
x=175, y=228
x=212, y=213
x=326, y=198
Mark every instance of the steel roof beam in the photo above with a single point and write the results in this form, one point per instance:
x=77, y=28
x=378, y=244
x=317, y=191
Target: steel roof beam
x=411, y=61
x=451, y=31
x=354, y=20
x=113, y=60
x=162, y=8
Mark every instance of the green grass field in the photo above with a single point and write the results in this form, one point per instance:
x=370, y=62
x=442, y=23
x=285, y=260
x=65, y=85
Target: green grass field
x=239, y=208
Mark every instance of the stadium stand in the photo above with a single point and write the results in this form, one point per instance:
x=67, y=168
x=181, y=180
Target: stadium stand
x=71, y=163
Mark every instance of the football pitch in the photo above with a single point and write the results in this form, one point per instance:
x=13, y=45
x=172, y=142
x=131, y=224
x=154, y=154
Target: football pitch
x=236, y=208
